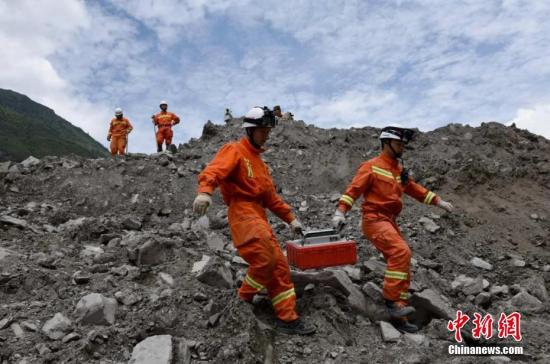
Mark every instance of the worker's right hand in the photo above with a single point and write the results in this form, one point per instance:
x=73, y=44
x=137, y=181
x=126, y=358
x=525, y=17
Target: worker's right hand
x=201, y=203
x=447, y=206
x=108, y=138
x=338, y=220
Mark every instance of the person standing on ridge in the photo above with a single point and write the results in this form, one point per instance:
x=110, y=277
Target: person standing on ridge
x=247, y=189
x=119, y=129
x=382, y=181
x=164, y=121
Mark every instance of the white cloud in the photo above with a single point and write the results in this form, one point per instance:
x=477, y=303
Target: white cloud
x=338, y=63
x=535, y=119
x=32, y=34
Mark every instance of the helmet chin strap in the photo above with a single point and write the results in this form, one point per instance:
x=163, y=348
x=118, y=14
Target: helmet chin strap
x=404, y=171
x=249, y=133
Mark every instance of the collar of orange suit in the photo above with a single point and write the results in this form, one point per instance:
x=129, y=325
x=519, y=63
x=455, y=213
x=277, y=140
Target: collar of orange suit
x=392, y=161
x=244, y=141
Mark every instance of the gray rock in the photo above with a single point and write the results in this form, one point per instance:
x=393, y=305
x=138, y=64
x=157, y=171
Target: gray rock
x=181, y=171
x=461, y=281
x=30, y=326
x=167, y=279
x=433, y=302
x=519, y=263
x=389, y=333
x=42, y=349
x=131, y=223
x=525, y=303
x=215, y=274
x=202, y=224
x=91, y=251
x=6, y=254
x=13, y=221
x=483, y=299
x=150, y=253
x=339, y=280
x=215, y=241
x=80, y=277
x=199, y=266
x=374, y=265
x=535, y=285
x=30, y=162
x=73, y=224
x=17, y=330
x=335, y=196
x=238, y=260
x=474, y=287
x=127, y=297
x=6, y=321
x=70, y=337
x=353, y=272
x=5, y=167
x=96, y=309
x=415, y=339
x=374, y=292
x=154, y=349
x=57, y=327
x=499, y=290
x=183, y=350
x=429, y=224
x=480, y=263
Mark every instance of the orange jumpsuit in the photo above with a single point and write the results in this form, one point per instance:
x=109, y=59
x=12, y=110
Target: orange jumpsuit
x=247, y=189
x=379, y=182
x=118, y=132
x=165, y=120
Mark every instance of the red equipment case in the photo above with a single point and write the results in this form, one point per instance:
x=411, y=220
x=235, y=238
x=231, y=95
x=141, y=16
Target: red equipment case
x=321, y=249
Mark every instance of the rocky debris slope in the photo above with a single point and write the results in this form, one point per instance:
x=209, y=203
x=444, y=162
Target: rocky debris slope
x=101, y=260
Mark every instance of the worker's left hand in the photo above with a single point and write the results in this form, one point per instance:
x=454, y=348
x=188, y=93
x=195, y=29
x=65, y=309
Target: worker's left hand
x=201, y=203
x=447, y=206
x=296, y=227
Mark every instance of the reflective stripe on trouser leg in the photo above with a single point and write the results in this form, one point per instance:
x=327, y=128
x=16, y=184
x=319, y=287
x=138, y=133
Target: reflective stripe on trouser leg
x=386, y=237
x=281, y=288
x=261, y=259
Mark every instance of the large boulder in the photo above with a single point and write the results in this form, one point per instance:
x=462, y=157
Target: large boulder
x=96, y=309
x=154, y=349
x=57, y=327
x=526, y=303
x=216, y=274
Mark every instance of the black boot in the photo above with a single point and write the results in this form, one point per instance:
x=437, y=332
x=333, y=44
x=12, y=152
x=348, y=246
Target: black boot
x=399, y=309
x=296, y=327
x=159, y=148
x=404, y=325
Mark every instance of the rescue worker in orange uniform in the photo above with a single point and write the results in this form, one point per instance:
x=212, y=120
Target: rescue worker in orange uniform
x=164, y=121
x=119, y=129
x=247, y=189
x=381, y=181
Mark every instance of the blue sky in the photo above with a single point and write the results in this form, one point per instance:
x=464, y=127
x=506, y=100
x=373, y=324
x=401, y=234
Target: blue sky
x=333, y=64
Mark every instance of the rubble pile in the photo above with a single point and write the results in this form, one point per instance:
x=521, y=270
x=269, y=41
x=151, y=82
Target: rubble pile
x=102, y=261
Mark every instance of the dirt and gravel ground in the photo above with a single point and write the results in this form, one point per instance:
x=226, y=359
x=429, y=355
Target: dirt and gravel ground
x=111, y=247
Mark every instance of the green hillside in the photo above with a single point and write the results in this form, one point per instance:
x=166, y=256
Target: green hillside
x=29, y=128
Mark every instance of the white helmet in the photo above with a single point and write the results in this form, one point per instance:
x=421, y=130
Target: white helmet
x=163, y=103
x=259, y=117
x=118, y=111
x=397, y=133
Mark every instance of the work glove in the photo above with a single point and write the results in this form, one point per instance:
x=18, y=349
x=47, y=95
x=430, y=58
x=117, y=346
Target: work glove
x=296, y=227
x=108, y=138
x=338, y=220
x=447, y=206
x=201, y=203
